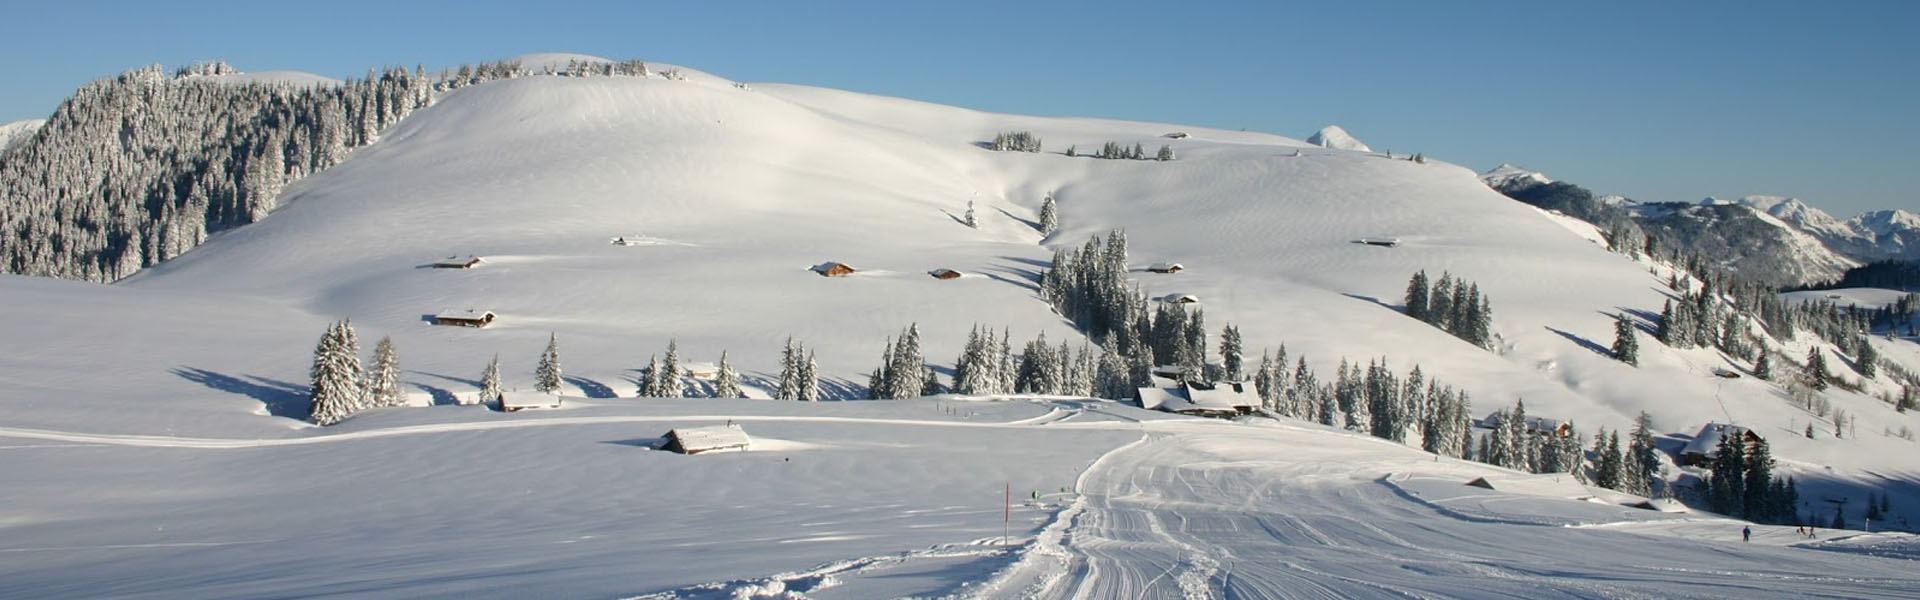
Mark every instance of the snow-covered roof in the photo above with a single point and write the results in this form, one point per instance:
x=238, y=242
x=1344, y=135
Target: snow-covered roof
x=1161, y=398
x=1165, y=266
x=464, y=314
x=693, y=440
x=519, y=400
x=1707, y=441
x=457, y=261
x=1223, y=396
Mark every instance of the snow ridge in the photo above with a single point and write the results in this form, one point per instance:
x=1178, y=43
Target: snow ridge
x=1332, y=136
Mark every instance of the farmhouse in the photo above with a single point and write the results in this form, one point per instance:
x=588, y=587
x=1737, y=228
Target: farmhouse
x=944, y=274
x=1162, y=267
x=832, y=269
x=694, y=440
x=1705, y=445
x=518, y=401
x=1225, y=399
x=457, y=262
x=464, y=318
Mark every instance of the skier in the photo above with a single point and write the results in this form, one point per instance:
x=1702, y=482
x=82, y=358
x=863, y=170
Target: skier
x=1746, y=534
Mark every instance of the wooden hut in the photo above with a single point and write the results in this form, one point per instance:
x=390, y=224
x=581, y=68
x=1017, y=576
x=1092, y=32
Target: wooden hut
x=1180, y=299
x=1164, y=268
x=944, y=274
x=832, y=269
x=519, y=401
x=457, y=262
x=1706, y=444
x=694, y=440
x=464, y=318
x=1387, y=242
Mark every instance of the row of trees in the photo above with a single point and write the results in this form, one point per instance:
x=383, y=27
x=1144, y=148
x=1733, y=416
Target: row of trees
x=1016, y=141
x=1453, y=305
x=1742, y=484
x=340, y=386
x=1117, y=150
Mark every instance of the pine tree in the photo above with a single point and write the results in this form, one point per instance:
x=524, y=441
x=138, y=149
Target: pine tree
x=726, y=383
x=907, y=373
x=652, y=383
x=1165, y=154
x=1763, y=366
x=1817, y=375
x=671, y=384
x=809, y=380
x=930, y=385
x=1049, y=216
x=1869, y=359
x=546, y=376
x=1643, y=458
x=383, y=382
x=334, y=377
x=1607, y=467
x=1440, y=302
x=1626, y=349
x=880, y=382
x=1758, y=480
x=971, y=222
x=490, y=382
x=790, y=367
x=1230, y=353
x=1417, y=296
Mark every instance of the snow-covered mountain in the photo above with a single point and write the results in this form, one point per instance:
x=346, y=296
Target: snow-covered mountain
x=1868, y=237
x=164, y=453
x=1332, y=136
x=11, y=133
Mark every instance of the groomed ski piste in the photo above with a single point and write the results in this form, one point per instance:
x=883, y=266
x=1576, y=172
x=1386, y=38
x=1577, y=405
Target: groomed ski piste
x=156, y=445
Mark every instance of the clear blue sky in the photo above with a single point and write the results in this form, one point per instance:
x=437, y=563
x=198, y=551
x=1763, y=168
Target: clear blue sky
x=1661, y=101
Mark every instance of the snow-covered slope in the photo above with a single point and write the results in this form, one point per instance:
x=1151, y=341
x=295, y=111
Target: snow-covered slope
x=734, y=191
x=1332, y=136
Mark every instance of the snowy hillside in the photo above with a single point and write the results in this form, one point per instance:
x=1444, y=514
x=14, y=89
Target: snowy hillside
x=175, y=399
x=17, y=130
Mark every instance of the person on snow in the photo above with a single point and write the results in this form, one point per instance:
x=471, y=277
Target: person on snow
x=1746, y=533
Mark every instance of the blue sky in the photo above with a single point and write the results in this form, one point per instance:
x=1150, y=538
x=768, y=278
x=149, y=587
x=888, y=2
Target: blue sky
x=1661, y=101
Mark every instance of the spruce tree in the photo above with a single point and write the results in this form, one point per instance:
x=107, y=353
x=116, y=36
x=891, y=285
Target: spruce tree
x=1049, y=216
x=1763, y=366
x=546, y=376
x=907, y=372
x=1417, y=296
x=809, y=380
x=671, y=385
x=383, y=382
x=790, y=367
x=1817, y=375
x=1165, y=154
x=1758, y=481
x=726, y=383
x=490, y=382
x=1868, y=358
x=652, y=384
x=1230, y=353
x=1626, y=349
x=334, y=383
x=971, y=222
x=1643, y=458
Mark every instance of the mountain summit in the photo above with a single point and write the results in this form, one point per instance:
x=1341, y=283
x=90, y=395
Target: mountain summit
x=1332, y=136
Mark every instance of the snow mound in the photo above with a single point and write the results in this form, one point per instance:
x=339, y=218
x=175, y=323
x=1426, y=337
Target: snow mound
x=1332, y=136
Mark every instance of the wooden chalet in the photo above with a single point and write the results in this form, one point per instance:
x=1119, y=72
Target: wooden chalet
x=1162, y=267
x=695, y=440
x=1181, y=299
x=464, y=318
x=1387, y=242
x=944, y=274
x=457, y=262
x=519, y=401
x=1225, y=400
x=832, y=269
x=1706, y=444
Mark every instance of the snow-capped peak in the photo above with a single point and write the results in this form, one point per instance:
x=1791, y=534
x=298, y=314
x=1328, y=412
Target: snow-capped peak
x=1508, y=174
x=1332, y=136
x=12, y=133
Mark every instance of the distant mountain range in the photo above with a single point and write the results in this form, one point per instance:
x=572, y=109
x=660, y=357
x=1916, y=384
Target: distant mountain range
x=1772, y=239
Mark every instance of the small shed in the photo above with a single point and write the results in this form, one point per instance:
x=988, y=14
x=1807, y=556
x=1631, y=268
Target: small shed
x=832, y=269
x=1162, y=267
x=944, y=274
x=1180, y=299
x=1387, y=242
x=519, y=401
x=1178, y=135
x=626, y=240
x=1706, y=444
x=694, y=440
x=464, y=318
x=457, y=262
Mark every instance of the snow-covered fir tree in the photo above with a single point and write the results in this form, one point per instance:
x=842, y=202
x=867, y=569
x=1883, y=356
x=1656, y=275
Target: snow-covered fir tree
x=490, y=383
x=908, y=369
x=652, y=380
x=383, y=381
x=1626, y=349
x=1231, y=353
x=1643, y=458
x=809, y=379
x=1763, y=366
x=971, y=221
x=726, y=382
x=1049, y=216
x=1817, y=375
x=1416, y=298
x=791, y=359
x=546, y=375
x=671, y=383
x=334, y=392
x=1165, y=153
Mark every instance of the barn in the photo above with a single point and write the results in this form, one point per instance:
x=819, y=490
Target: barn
x=832, y=269
x=519, y=401
x=695, y=440
x=457, y=262
x=944, y=274
x=464, y=318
